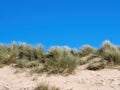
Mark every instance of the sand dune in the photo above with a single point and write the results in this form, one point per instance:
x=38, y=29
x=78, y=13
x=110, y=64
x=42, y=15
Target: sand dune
x=106, y=79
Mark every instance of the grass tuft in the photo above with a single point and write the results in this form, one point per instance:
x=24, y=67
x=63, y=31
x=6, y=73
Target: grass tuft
x=110, y=53
x=61, y=61
x=43, y=86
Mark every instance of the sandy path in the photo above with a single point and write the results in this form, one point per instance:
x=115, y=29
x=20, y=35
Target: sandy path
x=106, y=79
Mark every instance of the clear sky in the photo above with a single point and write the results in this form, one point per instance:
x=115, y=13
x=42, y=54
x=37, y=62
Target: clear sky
x=60, y=22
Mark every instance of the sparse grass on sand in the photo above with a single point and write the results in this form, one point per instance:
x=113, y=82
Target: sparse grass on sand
x=43, y=86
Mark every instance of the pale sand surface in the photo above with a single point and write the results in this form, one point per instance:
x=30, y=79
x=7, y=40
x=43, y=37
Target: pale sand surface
x=106, y=79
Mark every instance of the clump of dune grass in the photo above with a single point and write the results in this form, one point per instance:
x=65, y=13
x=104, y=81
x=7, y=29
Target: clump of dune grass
x=110, y=53
x=59, y=61
x=24, y=63
x=27, y=52
x=31, y=53
x=43, y=86
x=96, y=64
x=8, y=54
x=86, y=50
x=40, y=54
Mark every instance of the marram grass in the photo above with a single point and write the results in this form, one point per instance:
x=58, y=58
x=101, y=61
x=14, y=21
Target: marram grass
x=58, y=60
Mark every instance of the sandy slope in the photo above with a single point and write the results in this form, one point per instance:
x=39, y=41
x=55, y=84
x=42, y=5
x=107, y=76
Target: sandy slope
x=106, y=79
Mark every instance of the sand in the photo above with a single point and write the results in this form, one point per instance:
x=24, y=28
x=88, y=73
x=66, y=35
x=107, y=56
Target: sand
x=106, y=79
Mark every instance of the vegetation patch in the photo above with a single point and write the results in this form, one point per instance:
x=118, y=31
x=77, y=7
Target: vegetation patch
x=58, y=60
x=43, y=86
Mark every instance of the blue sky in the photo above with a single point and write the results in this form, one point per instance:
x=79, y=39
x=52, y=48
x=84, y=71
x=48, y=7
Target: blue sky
x=60, y=22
